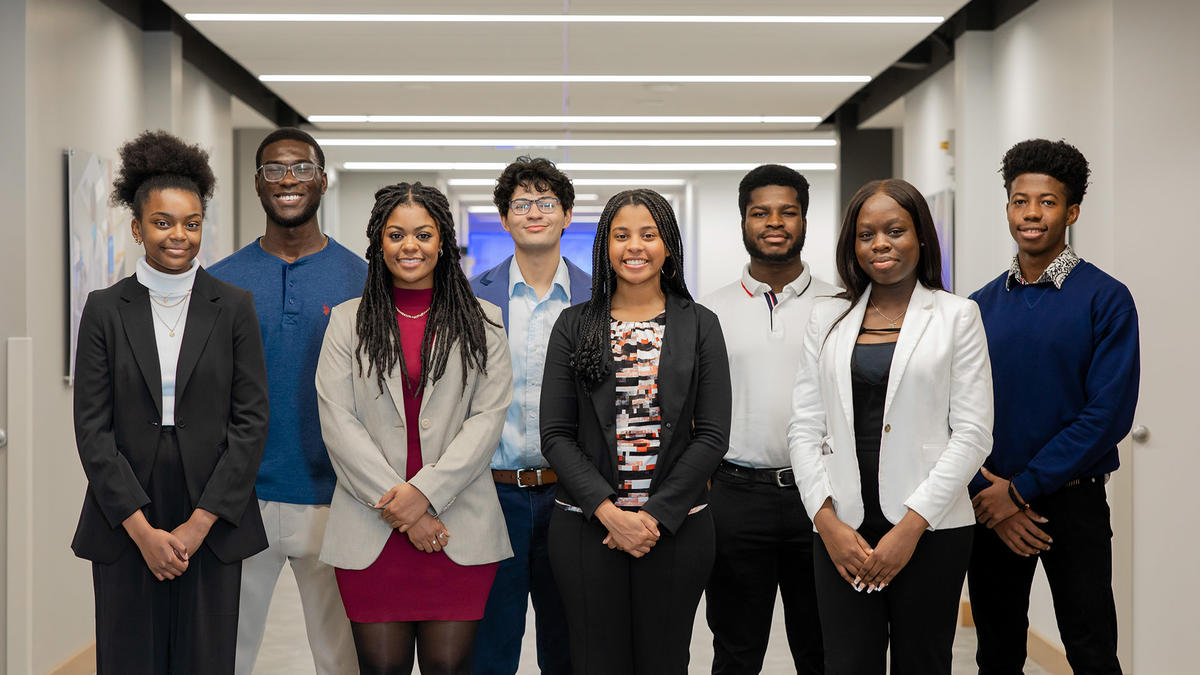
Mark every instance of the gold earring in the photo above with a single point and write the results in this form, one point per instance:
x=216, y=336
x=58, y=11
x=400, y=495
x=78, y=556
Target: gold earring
x=137, y=240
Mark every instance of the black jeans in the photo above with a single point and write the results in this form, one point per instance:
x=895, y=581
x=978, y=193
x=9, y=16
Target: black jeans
x=1079, y=569
x=764, y=546
x=626, y=615
x=916, y=613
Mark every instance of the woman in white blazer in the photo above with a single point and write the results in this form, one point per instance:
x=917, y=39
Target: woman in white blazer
x=413, y=385
x=892, y=418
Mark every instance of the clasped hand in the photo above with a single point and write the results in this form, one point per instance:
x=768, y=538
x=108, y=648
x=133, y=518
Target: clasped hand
x=402, y=506
x=428, y=534
x=993, y=503
x=632, y=532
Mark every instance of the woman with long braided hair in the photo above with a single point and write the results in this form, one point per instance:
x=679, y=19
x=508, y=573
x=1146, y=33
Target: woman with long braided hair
x=413, y=385
x=635, y=418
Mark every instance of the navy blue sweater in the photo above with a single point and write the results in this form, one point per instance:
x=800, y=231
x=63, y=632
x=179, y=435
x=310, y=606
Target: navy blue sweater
x=293, y=302
x=1065, y=371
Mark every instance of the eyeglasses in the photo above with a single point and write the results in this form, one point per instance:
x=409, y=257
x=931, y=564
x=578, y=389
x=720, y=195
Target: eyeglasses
x=544, y=204
x=301, y=171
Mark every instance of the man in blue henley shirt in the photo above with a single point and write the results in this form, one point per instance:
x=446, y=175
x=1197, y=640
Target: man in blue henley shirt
x=1063, y=339
x=297, y=274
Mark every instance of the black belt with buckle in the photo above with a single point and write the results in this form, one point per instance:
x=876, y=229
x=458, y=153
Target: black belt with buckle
x=1088, y=480
x=777, y=477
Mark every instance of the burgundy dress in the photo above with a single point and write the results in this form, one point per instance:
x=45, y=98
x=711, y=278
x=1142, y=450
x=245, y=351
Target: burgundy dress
x=404, y=583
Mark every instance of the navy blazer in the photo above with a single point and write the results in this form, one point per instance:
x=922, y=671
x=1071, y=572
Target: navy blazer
x=220, y=414
x=492, y=286
x=579, y=433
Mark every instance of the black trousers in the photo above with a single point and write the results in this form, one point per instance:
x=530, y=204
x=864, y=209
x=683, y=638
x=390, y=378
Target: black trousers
x=764, y=547
x=917, y=611
x=185, y=626
x=626, y=615
x=1079, y=569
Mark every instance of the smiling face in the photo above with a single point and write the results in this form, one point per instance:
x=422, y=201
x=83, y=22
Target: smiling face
x=535, y=231
x=290, y=203
x=169, y=228
x=411, y=242
x=635, y=249
x=773, y=229
x=885, y=242
x=1038, y=215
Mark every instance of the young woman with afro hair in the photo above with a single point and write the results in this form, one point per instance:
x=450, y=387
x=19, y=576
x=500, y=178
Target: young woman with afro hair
x=170, y=421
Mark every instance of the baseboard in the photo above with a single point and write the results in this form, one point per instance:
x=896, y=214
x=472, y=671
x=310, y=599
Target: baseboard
x=1043, y=652
x=82, y=663
x=1047, y=655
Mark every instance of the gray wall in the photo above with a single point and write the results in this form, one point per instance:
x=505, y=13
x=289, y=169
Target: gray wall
x=74, y=76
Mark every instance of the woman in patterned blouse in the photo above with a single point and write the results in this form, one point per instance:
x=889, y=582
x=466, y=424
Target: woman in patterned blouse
x=635, y=418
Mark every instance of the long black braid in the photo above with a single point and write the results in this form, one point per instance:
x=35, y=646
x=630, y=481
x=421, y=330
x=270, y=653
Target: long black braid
x=593, y=351
x=455, y=316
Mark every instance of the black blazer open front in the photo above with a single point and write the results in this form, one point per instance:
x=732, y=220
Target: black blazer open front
x=578, y=423
x=220, y=414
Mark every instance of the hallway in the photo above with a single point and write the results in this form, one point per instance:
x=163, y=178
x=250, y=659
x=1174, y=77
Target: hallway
x=285, y=651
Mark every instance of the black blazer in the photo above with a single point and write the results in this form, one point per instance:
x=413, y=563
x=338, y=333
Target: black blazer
x=220, y=414
x=578, y=424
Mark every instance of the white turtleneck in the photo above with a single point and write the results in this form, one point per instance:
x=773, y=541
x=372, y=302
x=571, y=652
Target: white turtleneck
x=170, y=297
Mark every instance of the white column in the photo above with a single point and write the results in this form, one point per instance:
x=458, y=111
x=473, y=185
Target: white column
x=982, y=246
x=162, y=61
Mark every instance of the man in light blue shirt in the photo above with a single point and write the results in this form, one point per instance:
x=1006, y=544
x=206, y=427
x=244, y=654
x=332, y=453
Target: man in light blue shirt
x=531, y=288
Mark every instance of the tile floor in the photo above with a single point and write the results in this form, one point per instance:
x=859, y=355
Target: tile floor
x=285, y=648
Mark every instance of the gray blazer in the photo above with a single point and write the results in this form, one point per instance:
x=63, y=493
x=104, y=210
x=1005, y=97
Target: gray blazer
x=364, y=431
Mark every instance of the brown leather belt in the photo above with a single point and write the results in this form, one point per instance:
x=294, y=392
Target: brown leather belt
x=525, y=477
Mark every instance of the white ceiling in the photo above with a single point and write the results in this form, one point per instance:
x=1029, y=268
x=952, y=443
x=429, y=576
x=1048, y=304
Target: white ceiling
x=575, y=48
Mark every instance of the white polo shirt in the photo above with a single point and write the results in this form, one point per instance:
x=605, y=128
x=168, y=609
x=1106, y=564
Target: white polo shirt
x=764, y=333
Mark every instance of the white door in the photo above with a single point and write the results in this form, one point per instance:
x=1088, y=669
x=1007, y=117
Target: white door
x=1156, y=105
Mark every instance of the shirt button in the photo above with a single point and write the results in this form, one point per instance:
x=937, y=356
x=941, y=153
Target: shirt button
x=668, y=425
x=887, y=428
x=426, y=423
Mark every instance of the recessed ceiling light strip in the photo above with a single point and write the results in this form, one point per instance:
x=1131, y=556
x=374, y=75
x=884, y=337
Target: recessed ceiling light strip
x=647, y=181
x=682, y=167
x=552, y=18
x=582, y=142
x=575, y=79
x=565, y=119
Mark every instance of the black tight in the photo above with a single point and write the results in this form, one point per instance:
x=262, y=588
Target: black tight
x=442, y=647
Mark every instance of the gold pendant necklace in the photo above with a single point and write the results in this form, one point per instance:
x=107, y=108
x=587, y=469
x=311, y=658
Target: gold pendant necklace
x=885, y=316
x=413, y=316
x=170, y=327
x=163, y=301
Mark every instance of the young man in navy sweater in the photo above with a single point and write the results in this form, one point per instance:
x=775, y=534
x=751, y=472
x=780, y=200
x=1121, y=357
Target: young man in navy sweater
x=1063, y=339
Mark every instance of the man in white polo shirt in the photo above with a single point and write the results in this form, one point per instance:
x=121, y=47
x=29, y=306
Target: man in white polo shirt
x=764, y=536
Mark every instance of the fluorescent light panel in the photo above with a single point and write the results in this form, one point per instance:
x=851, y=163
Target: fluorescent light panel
x=553, y=18
x=583, y=79
x=482, y=197
x=578, y=210
x=582, y=142
x=581, y=182
x=577, y=166
x=565, y=119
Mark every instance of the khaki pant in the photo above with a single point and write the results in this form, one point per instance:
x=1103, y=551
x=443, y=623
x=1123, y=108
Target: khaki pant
x=294, y=535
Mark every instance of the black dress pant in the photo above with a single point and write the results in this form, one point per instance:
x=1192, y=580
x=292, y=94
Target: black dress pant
x=1079, y=569
x=917, y=611
x=764, y=547
x=626, y=615
x=184, y=626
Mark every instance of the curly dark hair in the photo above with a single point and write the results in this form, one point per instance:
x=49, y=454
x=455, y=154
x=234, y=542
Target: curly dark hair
x=455, y=316
x=593, y=355
x=289, y=134
x=773, y=174
x=1058, y=159
x=535, y=173
x=157, y=160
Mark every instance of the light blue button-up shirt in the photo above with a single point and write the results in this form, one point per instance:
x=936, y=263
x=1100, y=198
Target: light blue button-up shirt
x=530, y=320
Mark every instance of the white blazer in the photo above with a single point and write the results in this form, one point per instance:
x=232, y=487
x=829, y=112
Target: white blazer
x=367, y=438
x=937, y=415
